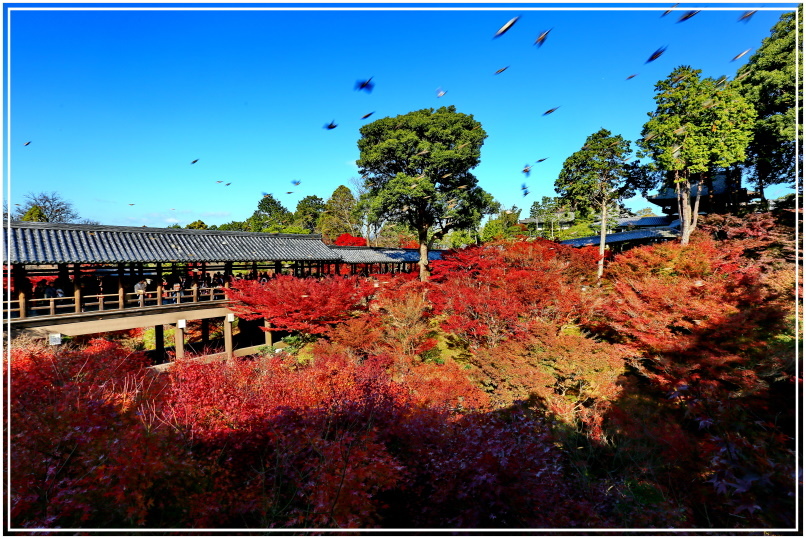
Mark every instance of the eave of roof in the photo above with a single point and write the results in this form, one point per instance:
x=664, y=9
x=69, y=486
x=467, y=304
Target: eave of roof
x=619, y=237
x=381, y=255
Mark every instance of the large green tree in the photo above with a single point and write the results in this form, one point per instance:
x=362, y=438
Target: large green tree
x=599, y=174
x=768, y=82
x=308, y=212
x=698, y=125
x=270, y=216
x=416, y=168
x=339, y=215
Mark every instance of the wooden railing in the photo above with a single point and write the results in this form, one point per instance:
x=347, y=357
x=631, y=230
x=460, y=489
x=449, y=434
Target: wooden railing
x=24, y=307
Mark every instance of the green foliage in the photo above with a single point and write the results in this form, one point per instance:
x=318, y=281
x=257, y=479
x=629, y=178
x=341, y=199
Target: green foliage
x=699, y=124
x=505, y=225
x=339, y=215
x=308, y=212
x=416, y=169
x=197, y=225
x=768, y=83
x=270, y=216
x=35, y=214
x=597, y=174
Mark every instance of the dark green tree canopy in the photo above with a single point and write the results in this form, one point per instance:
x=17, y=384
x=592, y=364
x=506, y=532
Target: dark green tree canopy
x=698, y=125
x=308, y=212
x=598, y=173
x=198, y=224
x=768, y=82
x=416, y=169
x=270, y=216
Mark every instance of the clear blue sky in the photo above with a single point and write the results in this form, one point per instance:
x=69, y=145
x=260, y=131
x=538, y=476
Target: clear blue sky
x=117, y=102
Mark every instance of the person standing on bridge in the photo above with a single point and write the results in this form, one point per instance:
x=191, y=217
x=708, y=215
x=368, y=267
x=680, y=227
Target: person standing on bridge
x=140, y=290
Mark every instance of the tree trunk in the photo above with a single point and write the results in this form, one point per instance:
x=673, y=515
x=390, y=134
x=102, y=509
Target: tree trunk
x=602, y=236
x=425, y=271
x=684, y=200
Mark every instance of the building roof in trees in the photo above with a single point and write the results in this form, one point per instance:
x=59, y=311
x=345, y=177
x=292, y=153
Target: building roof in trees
x=621, y=237
x=381, y=255
x=643, y=222
x=63, y=243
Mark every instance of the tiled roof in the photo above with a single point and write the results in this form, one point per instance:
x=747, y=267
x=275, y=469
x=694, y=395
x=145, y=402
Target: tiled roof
x=56, y=243
x=619, y=237
x=380, y=255
x=662, y=220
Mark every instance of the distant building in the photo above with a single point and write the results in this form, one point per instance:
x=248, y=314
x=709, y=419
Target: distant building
x=717, y=195
x=562, y=219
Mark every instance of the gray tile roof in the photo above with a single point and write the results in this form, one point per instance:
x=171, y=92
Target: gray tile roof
x=381, y=255
x=55, y=243
x=662, y=220
x=659, y=233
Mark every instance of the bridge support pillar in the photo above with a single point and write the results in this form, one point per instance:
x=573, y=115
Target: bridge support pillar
x=159, y=342
x=267, y=334
x=228, y=320
x=179, y=339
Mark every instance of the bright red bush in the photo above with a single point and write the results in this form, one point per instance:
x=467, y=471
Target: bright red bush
x=348, y=240
x=308, y=304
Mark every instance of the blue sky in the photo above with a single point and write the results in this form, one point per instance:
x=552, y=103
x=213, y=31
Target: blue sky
x=118, y=102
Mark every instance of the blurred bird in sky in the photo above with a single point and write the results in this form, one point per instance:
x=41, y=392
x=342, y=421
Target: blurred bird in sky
x=194, y=161
x=131, y=204
x=687, y=15
x=747, y=14
x=365, y=116
x=527, y=169
x=542, y=38
x=441, y=92
x=331, y=125
x=228, y=183
x=219, y=181
x=550, y=111
x=27, y=143
x=367, y=85
x=632, y=76
x=501, y=70
x=669, y=10
x=656, y=54
x=740, y=55
x=541, y=160
x=296, y=182
x=503, y=30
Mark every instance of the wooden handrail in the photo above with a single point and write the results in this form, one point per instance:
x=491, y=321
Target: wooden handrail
x=25, y=307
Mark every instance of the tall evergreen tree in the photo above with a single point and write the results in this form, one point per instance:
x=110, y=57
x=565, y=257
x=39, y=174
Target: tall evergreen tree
x=599, y=174
x=768, y=82
x=699, y=124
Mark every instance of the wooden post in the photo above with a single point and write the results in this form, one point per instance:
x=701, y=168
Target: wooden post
x=205, y=331
x=52, y=307
x=121, y=289
x=159, y=342
x=194, y=288
x=159, y=293
x=179, y=339
x=23, y=305
x=267, y=333
x=77, y=286
x=228, y=319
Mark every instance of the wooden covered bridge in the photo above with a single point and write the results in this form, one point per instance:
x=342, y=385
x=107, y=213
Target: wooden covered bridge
x=72, y=279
